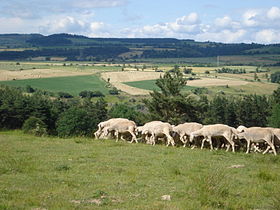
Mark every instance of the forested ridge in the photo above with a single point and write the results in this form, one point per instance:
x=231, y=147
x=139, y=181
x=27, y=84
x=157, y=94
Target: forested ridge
x=77, y=47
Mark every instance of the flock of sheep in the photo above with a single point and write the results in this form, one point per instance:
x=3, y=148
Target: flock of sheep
x=194, y=134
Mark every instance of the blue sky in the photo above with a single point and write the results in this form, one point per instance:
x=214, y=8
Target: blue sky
x=216, y=20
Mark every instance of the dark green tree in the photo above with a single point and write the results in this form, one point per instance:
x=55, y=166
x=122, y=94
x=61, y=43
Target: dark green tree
x=274, y=119
x=74, y=122
x=126, y=111
x=217, y=110
x=170, y=104
x=276, y=96
x=252, y=110
x=35, y=126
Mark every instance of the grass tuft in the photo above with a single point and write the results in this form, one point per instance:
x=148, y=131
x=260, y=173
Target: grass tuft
x=62, y=167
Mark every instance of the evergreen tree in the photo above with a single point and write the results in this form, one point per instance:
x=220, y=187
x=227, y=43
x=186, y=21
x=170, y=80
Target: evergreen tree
x=169, y=104
x=216, y=111
x=74, y=122
x=252, y=110
x=126, y=111
x=276, y=96
x=274, y=119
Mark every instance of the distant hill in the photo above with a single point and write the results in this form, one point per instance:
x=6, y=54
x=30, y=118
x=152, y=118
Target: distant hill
x=77, y=47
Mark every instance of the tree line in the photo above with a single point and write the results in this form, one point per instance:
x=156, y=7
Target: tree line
x=79, y=116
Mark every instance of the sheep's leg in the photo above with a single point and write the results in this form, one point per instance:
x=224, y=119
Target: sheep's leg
x=202, y=143
x=153, y=139
x=270, y=145
x=122, y=138
x=182, y=140
x=248, y=146
x=232, y=145
x=170, y=140
x=273, y=149
x=117, y=135
x=267, y=149
x=210, y=142
x=186, y=140
x=133, y=137
x=227, y=146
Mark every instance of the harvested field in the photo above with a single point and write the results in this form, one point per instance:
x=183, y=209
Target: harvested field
x=118, y=78
x=206, y=82
x=38, y=73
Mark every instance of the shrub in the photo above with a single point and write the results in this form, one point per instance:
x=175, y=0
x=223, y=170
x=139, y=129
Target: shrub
x=35, y=126
x=64, y=95
x=29, y=89
x=275, y=77
x=74, y=122
x=90, y=94
x=114, y=91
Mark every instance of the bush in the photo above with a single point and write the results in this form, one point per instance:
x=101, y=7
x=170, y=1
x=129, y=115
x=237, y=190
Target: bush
x=114, y=91
x=74, y=122
x=90, y=94
x=35, y=126
x=64, y=95
x=275, y=77
x=29, y=89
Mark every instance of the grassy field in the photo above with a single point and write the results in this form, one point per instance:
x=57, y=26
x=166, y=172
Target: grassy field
x=81, y=173
x=73, y=85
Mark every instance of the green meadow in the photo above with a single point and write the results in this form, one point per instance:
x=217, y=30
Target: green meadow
x=83, y=173
x=71, y=84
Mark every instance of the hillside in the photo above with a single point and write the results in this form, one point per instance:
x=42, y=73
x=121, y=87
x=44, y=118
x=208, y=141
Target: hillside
x=82, y=173
x=76, y=47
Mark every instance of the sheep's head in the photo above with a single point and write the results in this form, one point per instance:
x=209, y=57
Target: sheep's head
x=241, y=128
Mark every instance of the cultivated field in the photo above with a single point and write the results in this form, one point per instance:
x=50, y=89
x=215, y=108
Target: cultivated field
x=141, y=82
x=70, y=84
x=81, y=173
x=129, y=80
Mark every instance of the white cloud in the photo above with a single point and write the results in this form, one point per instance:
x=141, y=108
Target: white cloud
x=253, y=25
x=250, y=18
x=192, y=18
x=66, y=24
x=267, y=36
x=274, y=13
x=226, y=36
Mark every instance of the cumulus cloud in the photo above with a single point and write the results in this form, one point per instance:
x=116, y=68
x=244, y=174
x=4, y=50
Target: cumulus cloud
x=267, y=36
x=250, y=18
x=226, y=36
x=64, y=24
x=191, y=19
x=274, y=13
x=69, y=16
x=254, y=25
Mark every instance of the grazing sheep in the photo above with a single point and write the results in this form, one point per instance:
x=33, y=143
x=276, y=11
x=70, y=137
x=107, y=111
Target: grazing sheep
x=100, y=132
x=184, y=131
x=257, y=135
x=151, y=131
x=121, y=128
x=216, y=130
x=117, y=127
x=276, y=132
